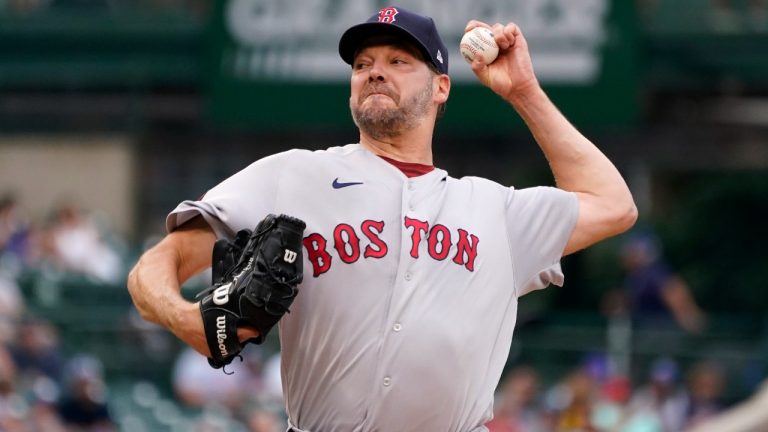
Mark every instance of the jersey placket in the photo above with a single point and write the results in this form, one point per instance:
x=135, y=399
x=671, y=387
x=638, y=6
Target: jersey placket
x=406, y=280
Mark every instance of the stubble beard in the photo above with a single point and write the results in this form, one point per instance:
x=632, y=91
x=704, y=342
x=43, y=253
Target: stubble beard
x=382, y=122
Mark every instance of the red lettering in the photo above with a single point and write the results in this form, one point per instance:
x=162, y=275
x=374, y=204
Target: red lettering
x=445, y=242
x=318, y=256
x=341, y=244
x=418, y=227
x=465, y=247
x=347, y=244
x=381, y=248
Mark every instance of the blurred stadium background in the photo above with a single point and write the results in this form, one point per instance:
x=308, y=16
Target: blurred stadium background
x=113, y=111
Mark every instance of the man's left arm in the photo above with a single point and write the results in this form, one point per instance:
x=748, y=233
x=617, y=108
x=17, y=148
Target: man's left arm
x=606, y=207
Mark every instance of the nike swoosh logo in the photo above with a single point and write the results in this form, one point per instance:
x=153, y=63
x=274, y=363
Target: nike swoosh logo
x=338, y=185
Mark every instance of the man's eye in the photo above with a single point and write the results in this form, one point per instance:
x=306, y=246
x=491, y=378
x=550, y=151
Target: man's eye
x=398, y=61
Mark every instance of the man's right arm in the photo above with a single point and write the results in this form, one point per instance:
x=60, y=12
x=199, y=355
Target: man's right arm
x=606, y=207
x=155, y=282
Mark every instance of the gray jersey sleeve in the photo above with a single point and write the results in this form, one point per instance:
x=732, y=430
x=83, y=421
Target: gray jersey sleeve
x=238, y=202
x=540, y=221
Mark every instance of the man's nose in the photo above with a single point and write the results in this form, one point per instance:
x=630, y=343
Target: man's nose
x=376, y=74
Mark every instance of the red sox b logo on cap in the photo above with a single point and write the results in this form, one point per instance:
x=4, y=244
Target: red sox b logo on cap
x=387, y=15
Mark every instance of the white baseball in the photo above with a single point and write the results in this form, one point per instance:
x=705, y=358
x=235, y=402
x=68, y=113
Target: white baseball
x=479, y=40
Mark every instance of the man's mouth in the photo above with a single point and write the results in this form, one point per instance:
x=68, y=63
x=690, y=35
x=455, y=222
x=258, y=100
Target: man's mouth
x=366, y=95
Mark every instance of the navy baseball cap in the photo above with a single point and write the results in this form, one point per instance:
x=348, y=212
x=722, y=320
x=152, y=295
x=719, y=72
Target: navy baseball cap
x=417, y=28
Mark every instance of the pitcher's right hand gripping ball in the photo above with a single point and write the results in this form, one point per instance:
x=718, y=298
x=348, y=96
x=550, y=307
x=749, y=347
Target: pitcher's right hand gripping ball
x=255, y=280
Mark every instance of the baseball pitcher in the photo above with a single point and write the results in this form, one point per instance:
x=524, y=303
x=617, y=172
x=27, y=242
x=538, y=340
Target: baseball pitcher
x=394, y=285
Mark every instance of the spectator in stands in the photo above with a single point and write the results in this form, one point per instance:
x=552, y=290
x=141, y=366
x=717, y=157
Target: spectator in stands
x=14, y=229
x=658, y=405
x=84, y=406
x=517, y=406
x=610, y=407
x=75, y=242
x=654, y=296
x=703, y=397
x=571, y=403
x=37, y=351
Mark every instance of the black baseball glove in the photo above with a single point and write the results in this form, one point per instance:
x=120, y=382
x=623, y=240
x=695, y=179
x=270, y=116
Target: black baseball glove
x=255, y=280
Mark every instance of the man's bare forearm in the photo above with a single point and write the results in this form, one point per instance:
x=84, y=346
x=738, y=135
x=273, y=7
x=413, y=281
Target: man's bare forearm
x=577, y=164
x=154, y=286
x=155, y=282
x=155, y=289
x=606, y=206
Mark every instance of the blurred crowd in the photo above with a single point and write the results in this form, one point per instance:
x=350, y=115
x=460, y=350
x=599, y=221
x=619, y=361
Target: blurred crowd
x=249, y=392
x=69, y=239
x=592, y=399
x=44, y=390
x=41, y=388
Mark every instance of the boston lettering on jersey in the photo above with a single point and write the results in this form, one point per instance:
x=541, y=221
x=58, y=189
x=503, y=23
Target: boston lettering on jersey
x=347, y=244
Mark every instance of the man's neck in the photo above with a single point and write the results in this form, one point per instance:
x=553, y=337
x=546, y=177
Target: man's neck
x=410, y=147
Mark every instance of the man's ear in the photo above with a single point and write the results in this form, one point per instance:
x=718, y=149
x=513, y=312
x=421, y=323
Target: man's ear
x=442, y=88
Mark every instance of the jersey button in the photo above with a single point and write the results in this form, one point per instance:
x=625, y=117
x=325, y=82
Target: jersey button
x=411, y=207
x=397, y=327
x=411, y=186
x=387, y=381
x=408, y=276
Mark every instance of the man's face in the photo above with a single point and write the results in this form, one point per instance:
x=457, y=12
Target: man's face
x=392, y=90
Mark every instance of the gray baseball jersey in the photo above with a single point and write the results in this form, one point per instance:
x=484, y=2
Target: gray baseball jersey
x=405, y=316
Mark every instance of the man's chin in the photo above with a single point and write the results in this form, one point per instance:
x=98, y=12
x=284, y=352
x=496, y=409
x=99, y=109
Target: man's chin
x=377, y=111
x=379, y=127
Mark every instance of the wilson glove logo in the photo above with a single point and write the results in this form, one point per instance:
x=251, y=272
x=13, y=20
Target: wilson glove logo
x=290, y=256
x=221, y=294
x=221, y=335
